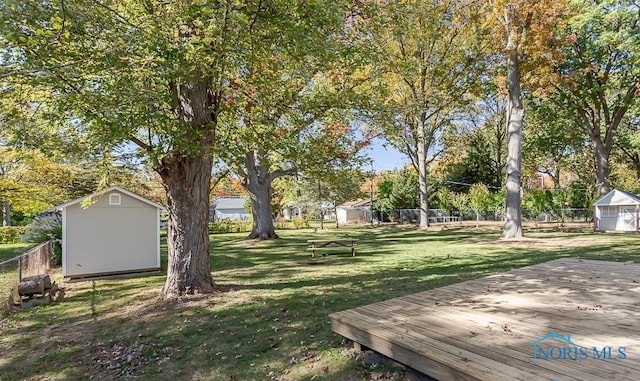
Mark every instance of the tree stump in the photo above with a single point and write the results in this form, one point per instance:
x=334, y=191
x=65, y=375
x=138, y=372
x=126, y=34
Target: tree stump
x=33, y=285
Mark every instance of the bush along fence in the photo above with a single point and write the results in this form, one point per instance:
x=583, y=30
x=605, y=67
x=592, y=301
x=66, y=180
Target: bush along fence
x=245, y=226
x=11, y=234
x=412, y=216
x=36, y=261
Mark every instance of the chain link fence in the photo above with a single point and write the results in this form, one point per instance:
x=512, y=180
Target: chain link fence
x=33, y=262
x=412, y=216
x=567, y=215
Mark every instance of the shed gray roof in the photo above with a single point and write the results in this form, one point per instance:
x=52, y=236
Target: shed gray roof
x=355, y=204
x=229, y=202
x=103, y=191
x=618, y=197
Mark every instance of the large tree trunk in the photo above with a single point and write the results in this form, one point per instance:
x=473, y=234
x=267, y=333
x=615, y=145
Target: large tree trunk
x=6, y=213
x=603, y=168
x=186, y=181
x=186, y=177
x=263, y=227
x=258, y=184
x=320, y=200
x=635, y=162
x=422, y=176
x=515, y=115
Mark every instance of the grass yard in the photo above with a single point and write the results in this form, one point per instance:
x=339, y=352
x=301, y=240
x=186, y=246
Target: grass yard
x=8, y=251
x=268, y=321
x=9, y=271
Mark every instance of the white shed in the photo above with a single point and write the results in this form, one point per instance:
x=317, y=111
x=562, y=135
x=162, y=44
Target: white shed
x=353, y=212
x=110, y=232
x=617, y=211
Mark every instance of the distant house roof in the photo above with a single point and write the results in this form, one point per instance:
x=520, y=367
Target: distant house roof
x=355, y=204
x=618, y=197
x=106, y=190
x=229, y=202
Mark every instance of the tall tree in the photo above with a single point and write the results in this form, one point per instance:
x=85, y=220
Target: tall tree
x=599, y=76
x=476, y=150
x=427, y=60
x=398, y=190
x=158, y=75
x=31, y=182
x=627, y=143
x=290, y=102
x=479, y=199
x=552, y=139
x=526, y=29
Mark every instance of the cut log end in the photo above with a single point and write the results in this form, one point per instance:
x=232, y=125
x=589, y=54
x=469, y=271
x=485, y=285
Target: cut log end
x=35, y=285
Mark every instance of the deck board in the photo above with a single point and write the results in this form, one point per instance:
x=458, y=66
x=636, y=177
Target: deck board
x=485, y=329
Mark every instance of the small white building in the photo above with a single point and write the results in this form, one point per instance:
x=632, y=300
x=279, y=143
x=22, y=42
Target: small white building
x=353, y=212
x=110, y=232
x=617, y=211
x=229, y=207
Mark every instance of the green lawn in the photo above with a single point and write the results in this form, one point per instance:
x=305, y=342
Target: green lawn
x=268, y=321
x=9, y=271
x=8, y=251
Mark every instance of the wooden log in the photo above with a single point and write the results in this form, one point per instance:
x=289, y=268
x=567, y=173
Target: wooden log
x=32, y=285
x=44, y=278
x=28, y=303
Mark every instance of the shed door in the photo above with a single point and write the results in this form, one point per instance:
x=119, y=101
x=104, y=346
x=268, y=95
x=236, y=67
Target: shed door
x=628, y=219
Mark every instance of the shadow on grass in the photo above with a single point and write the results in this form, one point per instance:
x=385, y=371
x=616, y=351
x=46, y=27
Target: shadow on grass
x=272, y=320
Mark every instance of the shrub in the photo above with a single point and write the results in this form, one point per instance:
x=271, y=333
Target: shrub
x=11, y=234
x=282, y=224
x=46, y=226
x=300, y=223
x=229, y=226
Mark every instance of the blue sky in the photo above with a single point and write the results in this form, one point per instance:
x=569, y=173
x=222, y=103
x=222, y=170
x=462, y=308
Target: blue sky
x=385, y=158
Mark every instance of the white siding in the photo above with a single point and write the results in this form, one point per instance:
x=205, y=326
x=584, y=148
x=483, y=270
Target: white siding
x=105, y=238
x=617, y=218
x=346, y=215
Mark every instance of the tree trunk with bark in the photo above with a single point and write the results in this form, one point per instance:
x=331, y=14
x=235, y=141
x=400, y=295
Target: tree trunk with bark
x=515, y=114
x=422, y=176
x=263, y=227
x=186, y=177
x=258, y=184
x=635, y=162
x=186, y=181
x=320, y=201
x=6, y=213
x=603, y=169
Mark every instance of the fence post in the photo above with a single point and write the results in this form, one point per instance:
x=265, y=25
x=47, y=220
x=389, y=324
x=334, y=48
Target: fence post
x=19, y=269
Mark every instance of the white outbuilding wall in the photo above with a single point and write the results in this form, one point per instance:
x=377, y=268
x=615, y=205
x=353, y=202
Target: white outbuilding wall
x=617, y=211
x=113, y=231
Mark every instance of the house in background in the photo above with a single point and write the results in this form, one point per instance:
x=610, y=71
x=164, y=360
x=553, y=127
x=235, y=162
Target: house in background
x=229, y=207
x=293, y=211
x=110, y=232
x=354, y=212
x=617, y=211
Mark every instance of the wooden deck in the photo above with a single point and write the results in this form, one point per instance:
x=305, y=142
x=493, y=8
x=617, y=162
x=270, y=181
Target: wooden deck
x=490, y=328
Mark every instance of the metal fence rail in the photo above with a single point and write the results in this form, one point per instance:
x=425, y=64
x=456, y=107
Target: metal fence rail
x=412, y=216
x=35, y=261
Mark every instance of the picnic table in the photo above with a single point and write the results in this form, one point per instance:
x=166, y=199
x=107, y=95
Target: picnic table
x=321, y=244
